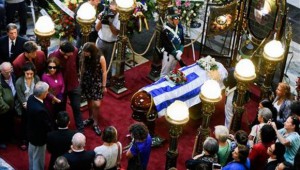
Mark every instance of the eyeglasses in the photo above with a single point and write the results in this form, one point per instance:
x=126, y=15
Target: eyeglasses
x=52, y=67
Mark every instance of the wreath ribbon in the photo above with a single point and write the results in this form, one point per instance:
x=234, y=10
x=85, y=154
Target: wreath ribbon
x=64, y=8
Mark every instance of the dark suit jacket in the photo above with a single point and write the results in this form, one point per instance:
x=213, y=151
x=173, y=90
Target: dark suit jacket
x=4, y=48
x=58, y=143
x=80, y=160
x=39, y=122
x=272, y=165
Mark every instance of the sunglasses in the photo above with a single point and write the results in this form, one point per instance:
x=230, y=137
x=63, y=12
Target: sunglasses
x=52, y=67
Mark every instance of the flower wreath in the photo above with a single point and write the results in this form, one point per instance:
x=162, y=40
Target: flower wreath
x=221, y=23
x=176, y=76
x=208, y=63
x=64, y=23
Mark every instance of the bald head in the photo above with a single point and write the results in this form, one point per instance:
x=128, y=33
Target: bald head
x=78, y=141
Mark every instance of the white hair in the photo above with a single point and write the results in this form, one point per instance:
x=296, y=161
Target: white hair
x=221, y=133
x=5, y=65
x=40, y=88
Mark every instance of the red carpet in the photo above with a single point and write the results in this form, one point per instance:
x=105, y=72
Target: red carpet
x=117, y=112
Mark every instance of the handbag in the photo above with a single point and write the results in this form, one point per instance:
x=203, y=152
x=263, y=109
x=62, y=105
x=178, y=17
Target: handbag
x=134, y=163
x=118, y=163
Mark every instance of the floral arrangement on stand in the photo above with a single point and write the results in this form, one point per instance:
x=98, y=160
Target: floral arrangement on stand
x=189, y=11
x=142, y=13
x=176, y=76
x=64, y=23
x=209, y=64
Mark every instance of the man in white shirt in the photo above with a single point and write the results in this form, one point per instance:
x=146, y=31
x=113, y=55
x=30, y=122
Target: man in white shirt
x=230, y=93
x=108, y=27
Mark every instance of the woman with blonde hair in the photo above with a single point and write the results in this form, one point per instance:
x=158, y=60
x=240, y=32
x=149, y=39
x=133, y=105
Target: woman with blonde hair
x=282, y=103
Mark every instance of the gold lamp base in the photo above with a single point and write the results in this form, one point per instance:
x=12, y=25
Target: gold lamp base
x=44, y=39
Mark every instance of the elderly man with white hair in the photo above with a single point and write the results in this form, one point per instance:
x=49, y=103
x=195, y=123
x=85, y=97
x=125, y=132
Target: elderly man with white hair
x=7, y=95
x=79, y=158
x=39, y=124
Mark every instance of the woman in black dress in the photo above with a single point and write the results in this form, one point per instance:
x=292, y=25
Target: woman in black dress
x=93, y=82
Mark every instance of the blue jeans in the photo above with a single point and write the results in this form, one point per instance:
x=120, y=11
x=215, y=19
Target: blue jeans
x=75, y=96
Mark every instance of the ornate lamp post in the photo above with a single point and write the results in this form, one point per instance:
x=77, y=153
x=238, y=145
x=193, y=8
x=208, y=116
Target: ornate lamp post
x=125, y=9
x=86, y=16
x=177, y=115
x=209, y=95
x=154, y=74
x=273, y=53
x=44, y=29
x=244, y=73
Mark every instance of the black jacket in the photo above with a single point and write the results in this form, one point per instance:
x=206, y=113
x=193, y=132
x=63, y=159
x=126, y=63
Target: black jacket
x=80, y=160
x=58, y=143
x=39, y=122
x=4, y=48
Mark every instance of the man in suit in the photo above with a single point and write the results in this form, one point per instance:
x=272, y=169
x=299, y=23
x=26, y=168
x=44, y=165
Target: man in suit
x=7, y=95
x=59, y=141
x=11, y=45
x=78, y=158
x=39, y=124
x=31, y=54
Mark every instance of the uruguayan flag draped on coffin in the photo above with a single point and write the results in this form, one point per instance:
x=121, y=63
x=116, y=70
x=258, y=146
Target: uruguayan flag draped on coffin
x=164, y=93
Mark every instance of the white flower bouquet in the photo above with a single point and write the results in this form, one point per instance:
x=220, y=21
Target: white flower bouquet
x=208, y=63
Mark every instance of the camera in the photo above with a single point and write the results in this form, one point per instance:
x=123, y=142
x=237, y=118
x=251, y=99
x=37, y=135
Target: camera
x=106, y=14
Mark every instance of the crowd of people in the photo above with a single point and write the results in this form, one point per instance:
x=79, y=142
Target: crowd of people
x=35, y=88
x=273, y=143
